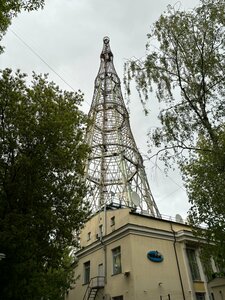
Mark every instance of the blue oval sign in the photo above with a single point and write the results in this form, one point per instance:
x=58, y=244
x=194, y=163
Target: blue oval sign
x=155, y=256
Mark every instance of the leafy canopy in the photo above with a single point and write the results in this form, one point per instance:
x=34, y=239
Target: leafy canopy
x=187, y=72
x=205, y=182
x=42, y=156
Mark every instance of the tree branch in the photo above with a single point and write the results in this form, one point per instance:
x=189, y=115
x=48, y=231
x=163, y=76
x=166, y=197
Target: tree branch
x=179, y=147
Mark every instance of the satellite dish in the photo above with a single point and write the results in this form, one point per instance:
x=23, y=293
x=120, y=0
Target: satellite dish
x=135, y=198
x=179, y=219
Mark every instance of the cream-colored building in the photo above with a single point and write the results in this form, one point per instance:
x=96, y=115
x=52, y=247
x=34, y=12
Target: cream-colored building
x=127, y=251
x=113, y=260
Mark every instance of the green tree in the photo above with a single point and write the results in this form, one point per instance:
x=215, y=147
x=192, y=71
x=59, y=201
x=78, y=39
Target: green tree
x=10, y=9
x=205, y=182
x=185, y=65
x=42, y=155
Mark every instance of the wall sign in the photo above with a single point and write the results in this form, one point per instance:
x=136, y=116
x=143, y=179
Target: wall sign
x=155, y=256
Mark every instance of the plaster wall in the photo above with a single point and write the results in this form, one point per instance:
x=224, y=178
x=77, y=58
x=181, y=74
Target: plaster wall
x=140, y=278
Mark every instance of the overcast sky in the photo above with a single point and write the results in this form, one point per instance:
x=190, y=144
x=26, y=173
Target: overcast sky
x=66, y=38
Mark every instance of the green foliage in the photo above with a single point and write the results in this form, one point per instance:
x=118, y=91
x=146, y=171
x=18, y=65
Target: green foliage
x=185, y=65
x=42, y=156
x=205, y=182
x=187, y=71
x=10, y=9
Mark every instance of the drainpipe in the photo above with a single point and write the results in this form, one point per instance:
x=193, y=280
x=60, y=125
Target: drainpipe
x=105, y=254
x=104, y=245
x=177, y=261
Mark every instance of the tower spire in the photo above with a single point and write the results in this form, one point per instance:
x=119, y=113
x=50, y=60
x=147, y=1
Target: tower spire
x=115, y=173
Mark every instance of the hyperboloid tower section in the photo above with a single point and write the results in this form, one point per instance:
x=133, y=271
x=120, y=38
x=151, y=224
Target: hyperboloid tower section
x=115, y=173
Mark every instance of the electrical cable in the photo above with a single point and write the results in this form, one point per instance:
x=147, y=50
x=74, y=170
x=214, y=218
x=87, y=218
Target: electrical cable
x=36, y=54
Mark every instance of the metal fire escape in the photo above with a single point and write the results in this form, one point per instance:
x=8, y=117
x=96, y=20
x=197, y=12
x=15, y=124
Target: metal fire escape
x=93, y=287
x=115, y=173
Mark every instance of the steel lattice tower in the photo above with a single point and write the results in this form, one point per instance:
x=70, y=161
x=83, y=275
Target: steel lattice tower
x=115, y=173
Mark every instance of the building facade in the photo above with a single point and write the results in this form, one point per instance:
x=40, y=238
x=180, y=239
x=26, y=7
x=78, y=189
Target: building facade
x=115, y=262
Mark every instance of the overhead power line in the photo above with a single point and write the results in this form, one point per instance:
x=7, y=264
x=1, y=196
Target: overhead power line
x=45, y=62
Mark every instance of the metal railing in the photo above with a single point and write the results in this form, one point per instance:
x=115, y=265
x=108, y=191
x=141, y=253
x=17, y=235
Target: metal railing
x=94, y=285
x=97, y=282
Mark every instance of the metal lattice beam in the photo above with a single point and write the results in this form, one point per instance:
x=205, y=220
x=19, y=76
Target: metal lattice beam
x=114, y=171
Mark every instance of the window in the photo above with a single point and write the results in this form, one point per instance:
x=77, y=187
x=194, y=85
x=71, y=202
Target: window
x=112, y=221
x=193, y=265
x=117, y=298
x=212, y=296
x=208, y=270
x=116, y=254
x=200, y=296
x=100, y=230
x=100, y=270
x=86, y=272
x=88, y=236
x=219, y=268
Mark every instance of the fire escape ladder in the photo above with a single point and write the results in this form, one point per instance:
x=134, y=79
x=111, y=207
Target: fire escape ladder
x=93, y=287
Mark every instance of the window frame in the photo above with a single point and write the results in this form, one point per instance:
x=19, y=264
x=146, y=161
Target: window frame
x=193, y=264
x=89, y=236
x=87, y=272
x=116, y=261
x=100, y=228
x=112, y=221
x=200, y=296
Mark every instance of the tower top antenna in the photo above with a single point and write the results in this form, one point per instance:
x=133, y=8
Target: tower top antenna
x=106, y=40
x=106, y=54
